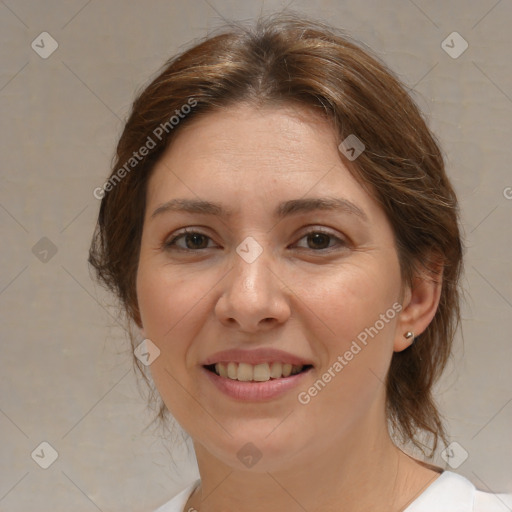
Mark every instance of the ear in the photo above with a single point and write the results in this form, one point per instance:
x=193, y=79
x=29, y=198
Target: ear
x=419, y=305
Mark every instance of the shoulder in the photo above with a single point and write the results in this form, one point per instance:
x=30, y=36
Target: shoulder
x=448, y=493
x=179, y=501
x=454, y=493
x=489, y=502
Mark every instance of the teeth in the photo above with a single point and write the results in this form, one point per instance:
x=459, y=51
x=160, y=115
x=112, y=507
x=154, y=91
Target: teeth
x=232, y=370
x=276, y=371
x=296, y=369
x=221, y=370
x=261, y=372
x=245, y=372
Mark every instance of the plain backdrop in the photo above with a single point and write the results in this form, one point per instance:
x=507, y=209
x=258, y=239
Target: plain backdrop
x=66, y=368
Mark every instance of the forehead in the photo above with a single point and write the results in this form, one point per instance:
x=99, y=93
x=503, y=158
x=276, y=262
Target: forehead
x=243, y=153
x=288, y=133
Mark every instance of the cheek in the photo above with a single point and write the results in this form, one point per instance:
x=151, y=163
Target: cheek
x=353, y=297
x=357, y=307
x=162, y=304
x=174, y=305
x=157, y=302
x=165, y=299
x=165, y=306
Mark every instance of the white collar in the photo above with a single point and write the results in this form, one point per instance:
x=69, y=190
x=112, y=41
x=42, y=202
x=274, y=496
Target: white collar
x=451, y=491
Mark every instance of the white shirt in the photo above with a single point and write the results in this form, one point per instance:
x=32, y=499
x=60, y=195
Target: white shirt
x=450, y=492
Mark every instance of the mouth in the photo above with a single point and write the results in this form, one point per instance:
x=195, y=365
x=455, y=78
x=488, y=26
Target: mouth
x=256, y=375
x=263, y=372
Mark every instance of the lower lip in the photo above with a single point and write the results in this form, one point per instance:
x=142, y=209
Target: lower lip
x=255, y=391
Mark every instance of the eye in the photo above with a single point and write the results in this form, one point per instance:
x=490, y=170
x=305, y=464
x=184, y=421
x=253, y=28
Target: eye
x=193, y=240
x=318, y=240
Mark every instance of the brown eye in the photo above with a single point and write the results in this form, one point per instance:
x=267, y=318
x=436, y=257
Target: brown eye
x=193, y=241
x=320, y=240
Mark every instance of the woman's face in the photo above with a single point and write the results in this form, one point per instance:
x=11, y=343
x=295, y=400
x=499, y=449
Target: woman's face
x=267, y=267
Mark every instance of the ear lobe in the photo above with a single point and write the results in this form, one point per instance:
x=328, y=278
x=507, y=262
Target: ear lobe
x=421, y=300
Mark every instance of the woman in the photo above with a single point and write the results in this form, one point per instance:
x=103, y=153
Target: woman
x=280, y=228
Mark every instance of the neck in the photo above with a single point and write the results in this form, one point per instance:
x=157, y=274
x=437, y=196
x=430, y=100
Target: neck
x=360, y=471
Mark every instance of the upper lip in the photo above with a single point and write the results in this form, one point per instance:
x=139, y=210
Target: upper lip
x=255, y=356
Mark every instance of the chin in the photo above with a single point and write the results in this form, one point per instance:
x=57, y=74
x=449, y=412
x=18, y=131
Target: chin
x=259, y=448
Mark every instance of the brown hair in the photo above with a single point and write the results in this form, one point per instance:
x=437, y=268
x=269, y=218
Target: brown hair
x=283, y=60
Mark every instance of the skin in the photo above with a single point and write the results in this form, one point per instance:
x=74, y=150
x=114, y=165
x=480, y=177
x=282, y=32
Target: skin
x=299, y=296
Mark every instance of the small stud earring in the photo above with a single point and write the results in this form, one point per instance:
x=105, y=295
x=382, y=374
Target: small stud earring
x=408, y=335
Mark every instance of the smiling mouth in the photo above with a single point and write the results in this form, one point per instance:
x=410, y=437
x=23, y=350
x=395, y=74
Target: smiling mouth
x=263, y=372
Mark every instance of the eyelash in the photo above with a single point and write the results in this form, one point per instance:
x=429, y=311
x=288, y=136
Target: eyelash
x=171, y=244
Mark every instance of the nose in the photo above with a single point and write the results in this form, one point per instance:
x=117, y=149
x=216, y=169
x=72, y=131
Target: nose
x=253, y=297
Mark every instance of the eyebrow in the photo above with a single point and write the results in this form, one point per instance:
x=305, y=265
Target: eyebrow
x=285, y=209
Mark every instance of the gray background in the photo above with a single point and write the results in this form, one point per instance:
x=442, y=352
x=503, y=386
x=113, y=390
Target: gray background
x=67, y=376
